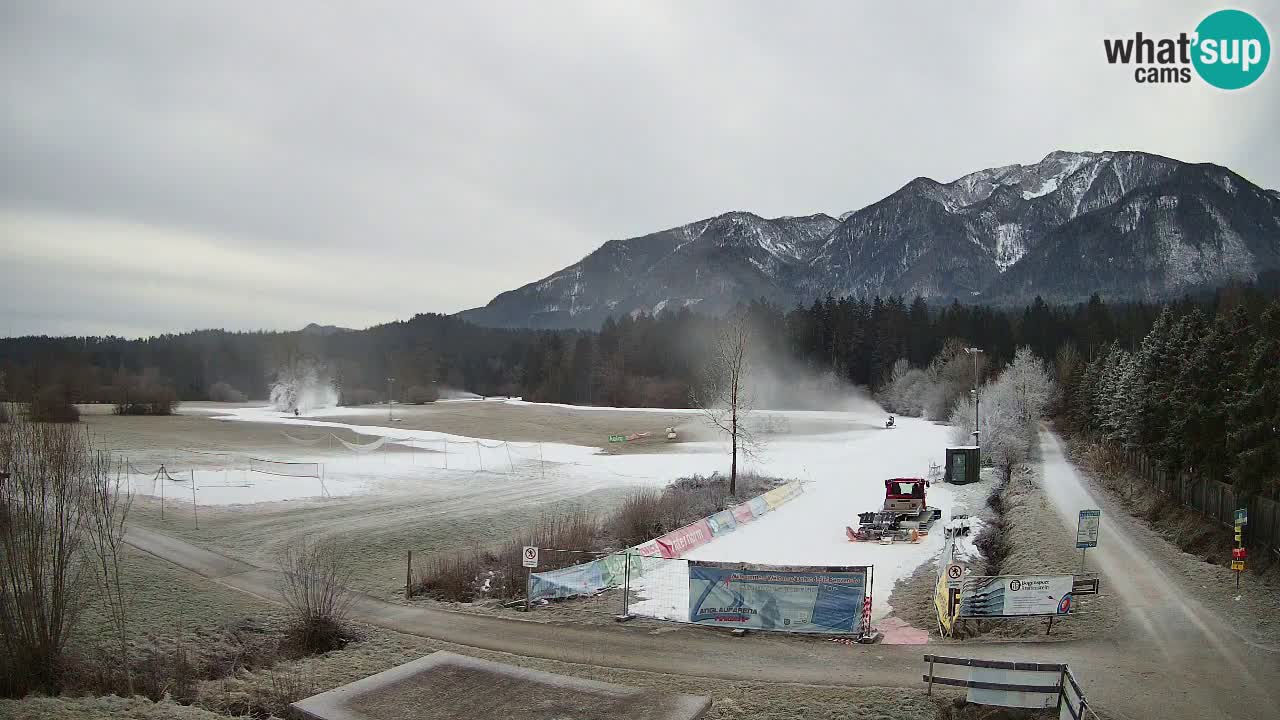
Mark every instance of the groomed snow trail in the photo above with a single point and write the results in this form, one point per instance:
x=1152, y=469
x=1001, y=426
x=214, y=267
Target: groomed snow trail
x=844, y=475
x=1173, y=626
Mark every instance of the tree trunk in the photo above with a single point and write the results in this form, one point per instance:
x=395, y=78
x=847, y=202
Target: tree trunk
x=733, y=465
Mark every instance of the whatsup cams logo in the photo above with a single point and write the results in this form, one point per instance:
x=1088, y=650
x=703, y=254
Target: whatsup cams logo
x=1229, y=50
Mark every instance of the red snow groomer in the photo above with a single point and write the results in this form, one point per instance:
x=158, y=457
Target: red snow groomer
x=905, y=516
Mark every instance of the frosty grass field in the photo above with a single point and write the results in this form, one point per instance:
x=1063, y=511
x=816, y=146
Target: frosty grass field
x=843, y=472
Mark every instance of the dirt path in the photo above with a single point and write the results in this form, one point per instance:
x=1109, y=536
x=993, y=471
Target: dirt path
x=1166, y=623
x=1117, y=677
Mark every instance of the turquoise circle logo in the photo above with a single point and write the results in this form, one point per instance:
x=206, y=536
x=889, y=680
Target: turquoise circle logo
x=1232, y=49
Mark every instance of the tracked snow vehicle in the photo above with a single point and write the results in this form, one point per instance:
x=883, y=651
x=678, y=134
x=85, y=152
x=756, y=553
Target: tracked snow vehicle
x=904, y=517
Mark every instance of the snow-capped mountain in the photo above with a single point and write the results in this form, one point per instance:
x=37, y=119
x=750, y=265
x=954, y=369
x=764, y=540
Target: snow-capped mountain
x=1126, y=224
x=710, y=264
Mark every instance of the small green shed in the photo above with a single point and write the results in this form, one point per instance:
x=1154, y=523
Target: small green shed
x=963, y=464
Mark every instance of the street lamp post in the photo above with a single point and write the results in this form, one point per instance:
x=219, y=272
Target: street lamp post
x=976, y=430
x=390, y=383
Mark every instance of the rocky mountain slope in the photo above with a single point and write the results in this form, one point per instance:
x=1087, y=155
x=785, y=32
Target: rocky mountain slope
x=1126, y=224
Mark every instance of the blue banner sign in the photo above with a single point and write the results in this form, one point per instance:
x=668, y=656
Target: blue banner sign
x=800, y=600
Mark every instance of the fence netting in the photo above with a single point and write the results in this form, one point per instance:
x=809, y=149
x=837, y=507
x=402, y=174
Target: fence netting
x=286, y=469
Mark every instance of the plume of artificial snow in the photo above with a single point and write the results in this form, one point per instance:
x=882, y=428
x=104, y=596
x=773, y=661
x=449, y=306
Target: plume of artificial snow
x=303, y=385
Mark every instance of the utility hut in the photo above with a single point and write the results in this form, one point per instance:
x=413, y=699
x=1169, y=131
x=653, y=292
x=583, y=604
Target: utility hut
x=963, y=464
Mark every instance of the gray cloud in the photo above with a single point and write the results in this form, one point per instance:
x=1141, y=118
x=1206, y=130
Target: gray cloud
x=267, y=166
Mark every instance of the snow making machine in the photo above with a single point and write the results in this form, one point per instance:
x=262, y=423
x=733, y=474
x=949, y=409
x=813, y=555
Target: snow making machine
x=904, y=517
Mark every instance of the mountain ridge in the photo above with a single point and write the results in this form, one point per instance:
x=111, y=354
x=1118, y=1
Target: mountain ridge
x=1002, y=234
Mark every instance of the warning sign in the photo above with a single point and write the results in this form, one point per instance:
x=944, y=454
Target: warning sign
x=530, y=556
x=1237, y=565
x=955, y=572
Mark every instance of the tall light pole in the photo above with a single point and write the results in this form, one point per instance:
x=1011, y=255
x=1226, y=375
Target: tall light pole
x=975, y=352
x=390, y=382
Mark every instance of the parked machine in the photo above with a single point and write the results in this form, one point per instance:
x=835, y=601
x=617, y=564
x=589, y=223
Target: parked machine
x=904, y=517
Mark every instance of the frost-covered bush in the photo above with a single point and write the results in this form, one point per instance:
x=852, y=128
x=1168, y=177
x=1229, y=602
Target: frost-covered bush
x=909, y=390
x=1009, y=410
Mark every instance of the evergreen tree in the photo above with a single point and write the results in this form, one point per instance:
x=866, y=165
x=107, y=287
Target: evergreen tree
x=1254, y=439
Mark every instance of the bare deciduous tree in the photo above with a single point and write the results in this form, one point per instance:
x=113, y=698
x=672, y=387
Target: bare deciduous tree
x=315, y=588
x=109, y=500
x=724, y=395
x=43, y=516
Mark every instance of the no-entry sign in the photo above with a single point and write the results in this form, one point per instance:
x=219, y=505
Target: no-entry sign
x=530, y=556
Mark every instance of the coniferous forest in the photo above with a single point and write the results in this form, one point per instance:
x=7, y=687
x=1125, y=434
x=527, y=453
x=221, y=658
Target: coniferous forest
x=1194, y=384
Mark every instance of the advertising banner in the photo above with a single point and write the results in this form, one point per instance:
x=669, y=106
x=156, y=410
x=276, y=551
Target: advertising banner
x=802, y=600
x=609, y=571
x=613, y=568
x=779, y=495
x=650, y=549
x=567, y=582
x=1016, y=595
x=680, y=541
x=943, y=605
x=742, y=513
x=722, y=522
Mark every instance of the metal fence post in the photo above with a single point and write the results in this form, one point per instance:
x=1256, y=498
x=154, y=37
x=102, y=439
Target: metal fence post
x=408, y=577
x=626, y=589
x=1062, y=683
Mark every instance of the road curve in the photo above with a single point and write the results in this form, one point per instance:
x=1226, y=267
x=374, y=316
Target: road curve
x=1116, y=676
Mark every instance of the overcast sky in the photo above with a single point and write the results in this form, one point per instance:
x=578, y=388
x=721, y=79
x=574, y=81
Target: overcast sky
x=170, y=166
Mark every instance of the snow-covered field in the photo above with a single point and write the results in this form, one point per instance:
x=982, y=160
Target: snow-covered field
x=843, y=472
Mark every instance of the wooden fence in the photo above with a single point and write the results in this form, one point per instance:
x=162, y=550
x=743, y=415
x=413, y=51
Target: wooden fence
x=1215, y=501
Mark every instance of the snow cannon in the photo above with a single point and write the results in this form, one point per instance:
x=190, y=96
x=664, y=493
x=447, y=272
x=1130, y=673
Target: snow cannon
x=904, y=517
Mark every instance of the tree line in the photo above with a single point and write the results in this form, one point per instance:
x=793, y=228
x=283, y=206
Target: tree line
x=637, y=360
x=1200, y=393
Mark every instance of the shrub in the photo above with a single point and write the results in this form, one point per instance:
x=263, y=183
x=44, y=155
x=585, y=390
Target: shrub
x=421, y=394
x=223, y=392
x=145, y=394
x=645, y=513
x=454, y=577
x=498, y=572
x=51, y=405
x=315, y=589
x=46, y=510
x=637, y=519
x=155, y=400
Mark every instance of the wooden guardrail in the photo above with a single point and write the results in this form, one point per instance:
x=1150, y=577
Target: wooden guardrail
x=1011, y=684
